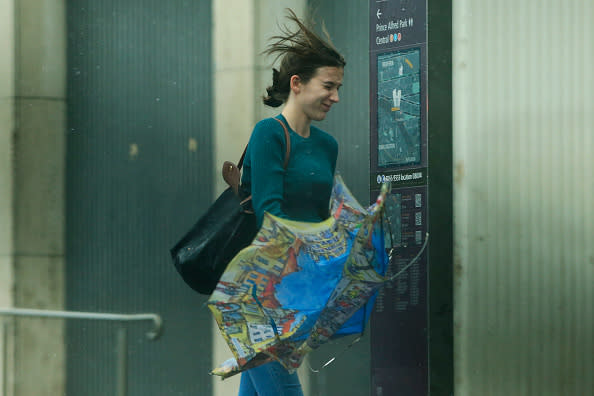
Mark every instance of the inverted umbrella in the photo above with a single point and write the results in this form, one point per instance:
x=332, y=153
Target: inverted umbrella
x=299, y=284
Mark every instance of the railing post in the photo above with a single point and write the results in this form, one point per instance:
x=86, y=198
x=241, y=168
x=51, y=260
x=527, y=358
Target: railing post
x=122, y=365
x=4, y=358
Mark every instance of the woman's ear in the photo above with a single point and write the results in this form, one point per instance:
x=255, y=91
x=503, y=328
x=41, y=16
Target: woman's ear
x=295, y=83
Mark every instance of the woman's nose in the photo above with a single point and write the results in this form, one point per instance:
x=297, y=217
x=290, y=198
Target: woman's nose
x=334, y=97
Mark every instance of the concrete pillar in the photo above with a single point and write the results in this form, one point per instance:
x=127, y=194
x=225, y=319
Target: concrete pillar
x=241, y=31
x=39, y=199
x=7, y=40
x=6, y=144
x=241, y=75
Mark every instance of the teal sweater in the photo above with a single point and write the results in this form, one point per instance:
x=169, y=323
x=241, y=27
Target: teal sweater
x=302, y=192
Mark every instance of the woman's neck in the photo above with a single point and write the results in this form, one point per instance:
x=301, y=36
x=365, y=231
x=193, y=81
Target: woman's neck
x=298, y=121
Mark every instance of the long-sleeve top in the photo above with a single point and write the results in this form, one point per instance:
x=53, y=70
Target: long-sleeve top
x=302, y=191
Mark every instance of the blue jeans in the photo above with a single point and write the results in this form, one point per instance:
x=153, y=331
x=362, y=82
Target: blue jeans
x=270, y=379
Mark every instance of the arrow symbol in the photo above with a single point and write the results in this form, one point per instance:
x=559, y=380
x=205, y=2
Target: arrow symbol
x=378, y=14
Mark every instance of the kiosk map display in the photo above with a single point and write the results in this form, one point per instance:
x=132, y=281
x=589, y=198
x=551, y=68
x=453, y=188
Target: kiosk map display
x=399, y=108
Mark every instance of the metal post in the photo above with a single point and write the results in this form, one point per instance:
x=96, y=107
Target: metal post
x=4, y=358
x=122, y=365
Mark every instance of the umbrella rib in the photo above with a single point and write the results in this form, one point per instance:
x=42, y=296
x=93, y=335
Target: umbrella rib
x=255, y=296
x=356, y=340
x=414, y=260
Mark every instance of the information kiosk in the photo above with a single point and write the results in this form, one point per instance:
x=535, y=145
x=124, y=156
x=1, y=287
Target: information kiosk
x=400, y=153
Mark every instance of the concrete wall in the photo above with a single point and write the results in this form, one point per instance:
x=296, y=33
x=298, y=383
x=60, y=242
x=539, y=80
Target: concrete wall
x=241, y=31
x=6, y=145
x=6, y=180
x=523, y=193
x=32, y=117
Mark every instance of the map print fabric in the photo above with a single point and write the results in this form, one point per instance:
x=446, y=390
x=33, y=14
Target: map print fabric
x=299, y=284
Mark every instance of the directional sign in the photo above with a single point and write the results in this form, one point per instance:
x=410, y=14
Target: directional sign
x=404, y=18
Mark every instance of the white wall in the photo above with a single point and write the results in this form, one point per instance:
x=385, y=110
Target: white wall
x=523, y=197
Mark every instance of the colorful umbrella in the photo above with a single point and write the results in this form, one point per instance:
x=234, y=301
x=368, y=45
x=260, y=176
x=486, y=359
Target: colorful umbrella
x=299, y=284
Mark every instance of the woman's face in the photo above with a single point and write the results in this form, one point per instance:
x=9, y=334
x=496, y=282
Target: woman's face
x=317, y=96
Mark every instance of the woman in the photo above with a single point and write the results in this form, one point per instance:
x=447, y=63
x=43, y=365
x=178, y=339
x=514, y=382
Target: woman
x=307, y=84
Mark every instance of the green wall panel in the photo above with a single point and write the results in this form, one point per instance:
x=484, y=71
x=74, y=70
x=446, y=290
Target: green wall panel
x=139, y=154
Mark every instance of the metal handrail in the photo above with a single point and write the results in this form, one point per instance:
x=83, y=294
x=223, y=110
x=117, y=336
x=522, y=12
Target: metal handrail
x=122, y=339
x=41, y=313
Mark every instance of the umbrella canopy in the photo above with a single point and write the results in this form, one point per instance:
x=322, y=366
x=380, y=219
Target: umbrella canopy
x=299, y=284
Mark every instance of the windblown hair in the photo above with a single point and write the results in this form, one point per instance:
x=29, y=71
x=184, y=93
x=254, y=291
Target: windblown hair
x=302, y=52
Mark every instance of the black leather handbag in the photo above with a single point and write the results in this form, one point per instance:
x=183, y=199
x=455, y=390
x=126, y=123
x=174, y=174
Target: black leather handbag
x=228, y=226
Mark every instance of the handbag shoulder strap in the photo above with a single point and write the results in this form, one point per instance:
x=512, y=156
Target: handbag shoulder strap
x=232, y=173
x=287, y=151
x=288, y=142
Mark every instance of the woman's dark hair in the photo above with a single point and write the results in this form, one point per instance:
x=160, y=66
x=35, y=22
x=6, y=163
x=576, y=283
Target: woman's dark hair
x=302, y=52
